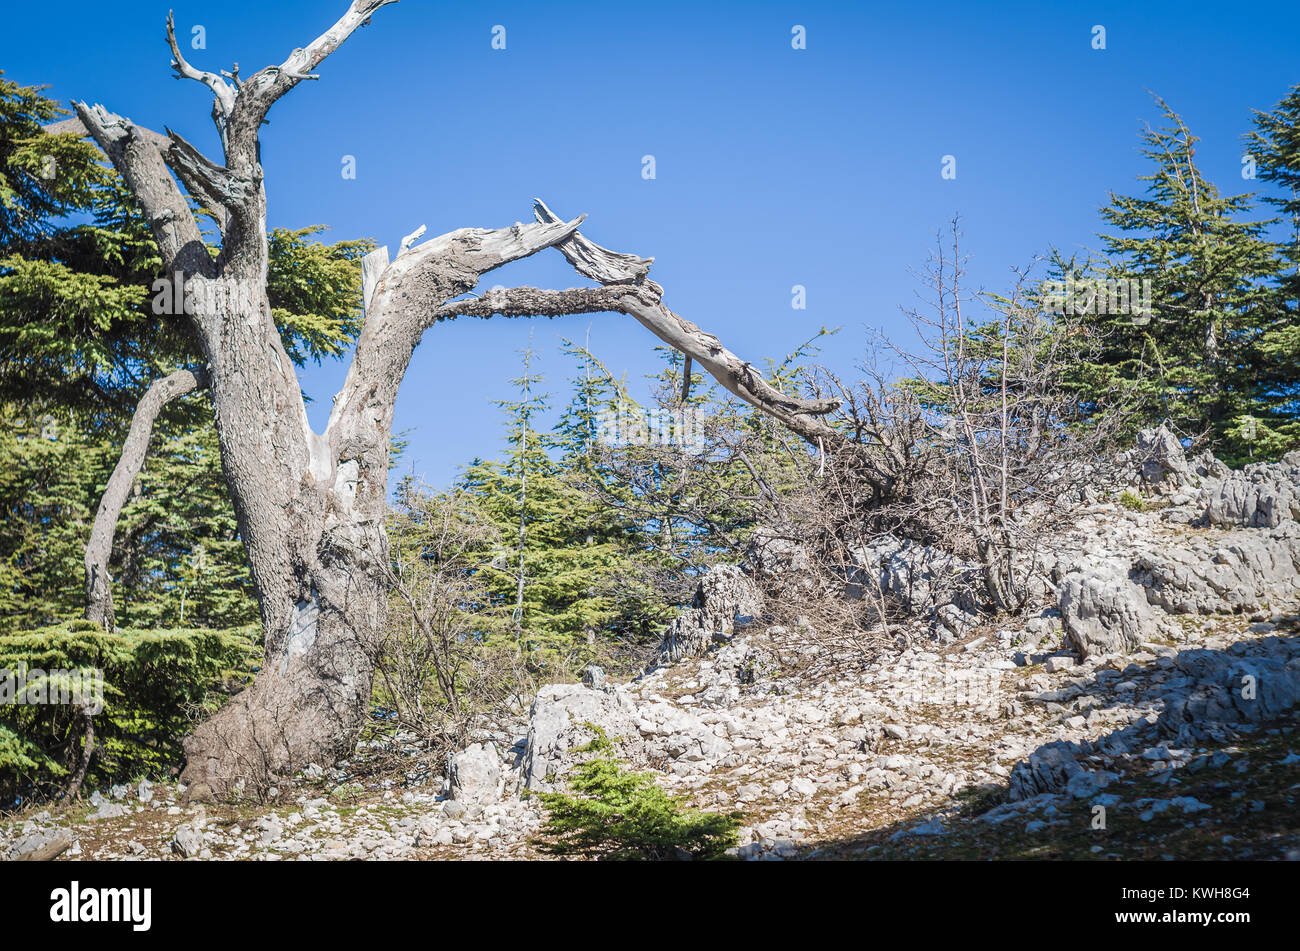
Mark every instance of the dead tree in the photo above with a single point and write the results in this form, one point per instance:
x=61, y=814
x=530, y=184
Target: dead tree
x=311, y=507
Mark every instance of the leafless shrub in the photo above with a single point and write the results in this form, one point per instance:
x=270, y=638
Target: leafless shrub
x=1016, y=455
x=964, y=445
x=438, y=664
x=971, y=452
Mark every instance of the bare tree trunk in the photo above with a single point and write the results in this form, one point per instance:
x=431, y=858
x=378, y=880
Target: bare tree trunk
x=99, y=548
x=87, y=750
x=311, y=507
x=311, y=515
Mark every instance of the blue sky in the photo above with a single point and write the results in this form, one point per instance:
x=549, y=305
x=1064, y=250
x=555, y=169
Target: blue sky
x=774, y=166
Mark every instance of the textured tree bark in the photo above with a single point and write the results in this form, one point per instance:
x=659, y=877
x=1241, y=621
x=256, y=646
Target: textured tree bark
x=312, y=522
x=311, y=507
x=83, y=762
x=99, y=548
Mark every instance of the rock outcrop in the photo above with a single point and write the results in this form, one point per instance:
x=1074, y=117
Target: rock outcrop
x=726, y=598
x=1260, y=496
x=918, y=577
x=1160, y=458
x=560, y=723
x=1143, y=567
x=1103, y=612
x=475, y=774
x=1242, y=570
x=1230, y=689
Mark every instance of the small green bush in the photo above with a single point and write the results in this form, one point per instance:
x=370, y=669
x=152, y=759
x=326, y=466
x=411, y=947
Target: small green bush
x=155, y=684
x=622, y=815
x=1132, y=502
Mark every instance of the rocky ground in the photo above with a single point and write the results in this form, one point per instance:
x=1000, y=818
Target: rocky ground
x=1149, y=713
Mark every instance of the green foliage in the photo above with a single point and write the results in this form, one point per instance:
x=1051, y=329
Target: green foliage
x=79, y=343
x=315, y=292
x=155, y=683
x=41, y=176
x=177, y=559
x=1219, y=354
x=622, y=815
x=569, y=555
x=47, y=485
x=1132, y=502
x=1275, y=143
x=75, y=327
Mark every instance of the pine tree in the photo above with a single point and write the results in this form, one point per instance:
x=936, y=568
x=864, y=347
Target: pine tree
x=1205, y=360
x=48, y=475
x=583, y=438
x=570, y=567
x=532, y=509
x=1275, y=146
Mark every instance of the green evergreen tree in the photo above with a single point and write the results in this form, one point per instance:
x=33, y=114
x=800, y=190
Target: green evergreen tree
x=47, y=481
x=618, y=815
x=582, y=439
x=1206, y=360
x=563, y=562
x=1275, y=146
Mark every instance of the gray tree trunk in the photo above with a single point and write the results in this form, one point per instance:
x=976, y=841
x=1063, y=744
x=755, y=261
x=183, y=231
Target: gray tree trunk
x=311, y=507
x=99, y=548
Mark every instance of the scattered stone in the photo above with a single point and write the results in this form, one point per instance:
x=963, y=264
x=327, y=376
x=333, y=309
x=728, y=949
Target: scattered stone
x=186, y=841
x=41, y=847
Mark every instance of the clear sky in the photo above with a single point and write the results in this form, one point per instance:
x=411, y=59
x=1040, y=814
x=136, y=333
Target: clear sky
x=774, y=166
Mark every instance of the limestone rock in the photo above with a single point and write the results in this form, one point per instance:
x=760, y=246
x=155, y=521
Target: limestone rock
x=33, y=845
x=916, y=576
x=1104, y=612
x=1230, y=689
x=1235, y=571
x=559, y=723
x=1049, y=769
x=724, y=595
x=476, y=774
x=1161, y=459
x=1260, y=496
x=187, y=841
x=771, y=555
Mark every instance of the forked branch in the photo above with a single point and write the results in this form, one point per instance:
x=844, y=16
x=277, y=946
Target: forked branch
x=223, y=92
x=258, y=93
x=138, y=156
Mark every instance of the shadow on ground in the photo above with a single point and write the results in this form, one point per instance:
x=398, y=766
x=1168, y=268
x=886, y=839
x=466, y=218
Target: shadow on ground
x=1247, y=773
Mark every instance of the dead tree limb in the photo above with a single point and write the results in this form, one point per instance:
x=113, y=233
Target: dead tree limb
x=99, y=548
x=739, y=377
